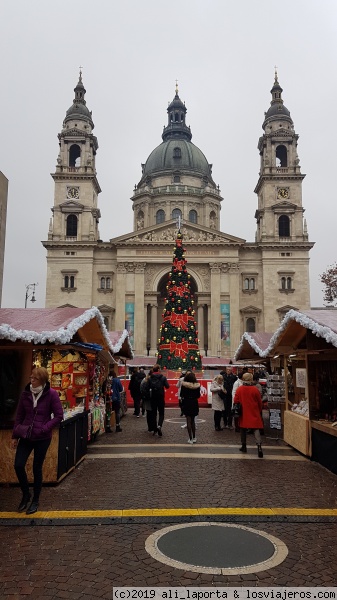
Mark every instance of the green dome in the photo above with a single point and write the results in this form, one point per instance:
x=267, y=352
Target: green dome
x=177, y=155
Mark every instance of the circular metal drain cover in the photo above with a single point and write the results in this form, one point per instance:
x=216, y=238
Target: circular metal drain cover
x=216, y=548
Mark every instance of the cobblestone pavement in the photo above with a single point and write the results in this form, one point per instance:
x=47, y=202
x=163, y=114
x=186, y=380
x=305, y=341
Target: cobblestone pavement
x=82, y=557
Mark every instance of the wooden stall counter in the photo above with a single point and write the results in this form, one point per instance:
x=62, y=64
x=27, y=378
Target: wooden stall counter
x=297, y=432
x=324, y=444
x=67, y=449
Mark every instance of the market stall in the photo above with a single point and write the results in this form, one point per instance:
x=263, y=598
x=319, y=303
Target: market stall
x=305, y=347
x=73, y=344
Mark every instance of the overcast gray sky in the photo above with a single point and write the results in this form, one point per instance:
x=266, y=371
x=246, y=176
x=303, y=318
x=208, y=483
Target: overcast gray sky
x=223, y=54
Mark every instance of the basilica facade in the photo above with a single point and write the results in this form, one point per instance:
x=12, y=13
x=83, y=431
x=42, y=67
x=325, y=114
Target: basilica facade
x=238, y=286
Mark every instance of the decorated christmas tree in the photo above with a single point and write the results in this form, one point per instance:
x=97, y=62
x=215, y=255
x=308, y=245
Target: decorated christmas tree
x=178, y=342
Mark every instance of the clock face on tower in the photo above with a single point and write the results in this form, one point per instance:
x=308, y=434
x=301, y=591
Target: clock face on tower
x=283, y=193
x=73, y=193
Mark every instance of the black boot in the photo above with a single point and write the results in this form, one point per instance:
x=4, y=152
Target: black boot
x=118, y=428
x=243, y=448
x=259, y=451
x=33, y=507
x=24, y=502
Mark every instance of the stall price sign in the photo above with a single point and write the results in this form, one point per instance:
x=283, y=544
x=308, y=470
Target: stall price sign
x=275, y=418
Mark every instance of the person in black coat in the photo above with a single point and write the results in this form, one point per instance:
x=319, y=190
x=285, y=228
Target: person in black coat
x=229, y=379
x=134, y=389
x=189, y=394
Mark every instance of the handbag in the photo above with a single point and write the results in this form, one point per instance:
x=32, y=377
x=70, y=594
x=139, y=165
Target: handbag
x=237, y=409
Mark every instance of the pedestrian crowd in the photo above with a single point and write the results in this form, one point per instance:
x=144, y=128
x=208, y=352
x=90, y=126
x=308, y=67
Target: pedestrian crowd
x=236, y=402
x=40, y=410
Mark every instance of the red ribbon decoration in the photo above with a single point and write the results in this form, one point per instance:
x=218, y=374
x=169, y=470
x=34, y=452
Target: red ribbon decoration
x=179, y=349
x=179, y=264
x=179, y=321
x=179, y=290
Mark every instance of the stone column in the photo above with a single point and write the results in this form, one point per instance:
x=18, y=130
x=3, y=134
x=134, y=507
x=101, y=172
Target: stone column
x=201, y=335
x=234, y=291
x=154, y=328
x=140, y=320
x=215, y=333
x=120, y=296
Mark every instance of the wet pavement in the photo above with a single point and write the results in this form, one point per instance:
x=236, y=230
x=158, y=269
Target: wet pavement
x=92, y=529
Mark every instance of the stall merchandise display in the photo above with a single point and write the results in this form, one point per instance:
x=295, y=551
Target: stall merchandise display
x=275, y=388
x=77, y=377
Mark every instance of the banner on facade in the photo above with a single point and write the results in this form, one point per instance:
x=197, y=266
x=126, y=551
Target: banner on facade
x=130, y=321
x=225, y=326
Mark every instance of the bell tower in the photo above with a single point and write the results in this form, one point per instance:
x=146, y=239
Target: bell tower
x=280, y=213
x=75, y=212
x=281, y=235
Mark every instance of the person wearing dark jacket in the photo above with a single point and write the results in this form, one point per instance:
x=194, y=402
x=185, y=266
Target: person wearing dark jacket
x=134, y=389
x=158, y=383
x=189, y=394
x=116, y=389
x=228, y=381
x=39, y=411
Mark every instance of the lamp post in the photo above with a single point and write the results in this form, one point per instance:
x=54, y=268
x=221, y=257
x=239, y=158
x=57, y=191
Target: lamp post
x=30, y=294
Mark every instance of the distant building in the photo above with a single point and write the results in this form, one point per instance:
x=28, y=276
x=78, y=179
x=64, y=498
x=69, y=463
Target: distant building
x=3, y=218
x=239, y=286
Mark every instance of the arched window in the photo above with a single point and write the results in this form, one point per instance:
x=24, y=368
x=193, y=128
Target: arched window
x=283, y=283
x=71, y=230
x=289, y=283
x=176, y=179
x=160, y=217
x=74, y=156
x=102, y=283
x=250, y=325
x=281, y=156
x=284, y=226
x=246, y=284
x=193, y=216
x=176, y=213
x=69, y=281
x=252, y=284
x=177, y=153
x=108, y=283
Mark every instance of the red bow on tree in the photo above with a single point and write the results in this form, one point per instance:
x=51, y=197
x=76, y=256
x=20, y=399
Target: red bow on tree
x=179, y=349
x=179, y=264
x=179, y=321
x=179, y=290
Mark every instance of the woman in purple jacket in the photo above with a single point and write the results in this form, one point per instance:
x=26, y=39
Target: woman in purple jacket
x=39, y=411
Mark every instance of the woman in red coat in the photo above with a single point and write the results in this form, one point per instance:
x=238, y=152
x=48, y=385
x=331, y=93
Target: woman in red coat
x=251, y=411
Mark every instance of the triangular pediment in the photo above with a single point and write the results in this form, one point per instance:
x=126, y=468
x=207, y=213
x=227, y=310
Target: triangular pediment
x=250, y=309
x=165, y=233
x=284, y=205
x=104, y=307
x=67, y=306
x=71, y=205
x=286, y=308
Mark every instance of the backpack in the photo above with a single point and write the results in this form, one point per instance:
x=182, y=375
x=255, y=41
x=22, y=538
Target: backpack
x=156, y=386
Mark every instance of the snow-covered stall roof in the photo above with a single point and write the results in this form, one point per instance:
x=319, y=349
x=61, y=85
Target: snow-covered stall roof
x=54, y=325
x=120, y=343
x=322, y=323
x=252, y=345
